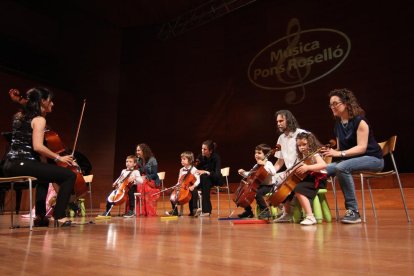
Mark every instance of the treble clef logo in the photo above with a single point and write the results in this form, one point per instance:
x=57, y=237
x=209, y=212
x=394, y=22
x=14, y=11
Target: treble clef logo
x=295, y=76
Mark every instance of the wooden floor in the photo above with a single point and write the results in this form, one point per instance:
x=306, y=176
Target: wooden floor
x=208, y=246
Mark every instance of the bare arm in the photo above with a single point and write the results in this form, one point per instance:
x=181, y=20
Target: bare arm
x=38, y=125
x=319, y=165
x=279, y=164
x=360, y=148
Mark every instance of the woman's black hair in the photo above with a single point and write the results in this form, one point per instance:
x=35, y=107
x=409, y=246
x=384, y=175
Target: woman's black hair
x=34, y=101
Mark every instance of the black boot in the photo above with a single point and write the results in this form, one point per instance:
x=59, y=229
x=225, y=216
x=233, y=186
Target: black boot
x=246, y=214
x=40, y=221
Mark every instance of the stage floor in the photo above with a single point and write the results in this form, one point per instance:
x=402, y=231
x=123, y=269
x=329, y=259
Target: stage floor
x=208, y=246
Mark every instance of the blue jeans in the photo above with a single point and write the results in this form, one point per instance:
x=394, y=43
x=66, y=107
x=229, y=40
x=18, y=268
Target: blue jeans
x=343, y=172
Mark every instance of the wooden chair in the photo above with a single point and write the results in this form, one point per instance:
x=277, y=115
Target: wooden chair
x=139, y=196
x=88, y=180
x=388, y=148
x=225, y=172
x=161, y=176
x=19, y=179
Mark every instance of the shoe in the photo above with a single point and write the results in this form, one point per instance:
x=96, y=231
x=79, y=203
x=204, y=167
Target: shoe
x=41, y=221
x=264, y=215
x=309, y=220
x=204, y=214
x=130, y=214
x=351, y=217
x=246, y=214
x=60, y=223
x=197, y=212
x=284, y=218
x=171, y=213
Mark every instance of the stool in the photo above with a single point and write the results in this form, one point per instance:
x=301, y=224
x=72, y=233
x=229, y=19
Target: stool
x=81, y=205
x=139, y=195
x=320, y=208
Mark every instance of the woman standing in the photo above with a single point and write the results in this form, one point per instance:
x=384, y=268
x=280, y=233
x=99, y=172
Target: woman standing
x=357, y=148
x=209, y=169
x=26, y=150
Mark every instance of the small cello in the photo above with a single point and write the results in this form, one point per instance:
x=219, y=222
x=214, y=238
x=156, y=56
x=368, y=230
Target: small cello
x=182, y=194
x=293, y=178
x=117, y=196
x=248, y=186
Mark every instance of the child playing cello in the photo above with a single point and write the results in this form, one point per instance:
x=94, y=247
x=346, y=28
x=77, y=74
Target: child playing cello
x=306, y=190
x=187, y=179
x=260, y=155
x=134, y=178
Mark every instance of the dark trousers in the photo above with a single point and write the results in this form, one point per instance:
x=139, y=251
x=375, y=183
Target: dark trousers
x=193, y=203
x=261, y=192
x=45, y=173
x=205, y=186
x=131, y=197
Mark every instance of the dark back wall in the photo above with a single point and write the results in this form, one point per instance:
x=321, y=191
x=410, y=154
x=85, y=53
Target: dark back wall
x=195, y=86
x=79, y=58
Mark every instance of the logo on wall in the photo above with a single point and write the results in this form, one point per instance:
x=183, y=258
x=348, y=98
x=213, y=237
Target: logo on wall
x=299, y=58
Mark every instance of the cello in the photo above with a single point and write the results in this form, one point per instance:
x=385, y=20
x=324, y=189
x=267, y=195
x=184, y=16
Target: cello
x=293, y=178
x=182, y=194
x=55, y=144
x=117, y=196
x=248, y=186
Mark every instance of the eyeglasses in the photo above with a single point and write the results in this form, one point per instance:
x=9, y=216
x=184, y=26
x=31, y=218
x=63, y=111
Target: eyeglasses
x=335, y=104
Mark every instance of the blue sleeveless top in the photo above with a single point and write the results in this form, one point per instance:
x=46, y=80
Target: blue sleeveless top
x=347, y=137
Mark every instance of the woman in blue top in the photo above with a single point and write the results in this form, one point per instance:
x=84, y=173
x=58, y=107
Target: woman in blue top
x=356, y=150
x=148, y=168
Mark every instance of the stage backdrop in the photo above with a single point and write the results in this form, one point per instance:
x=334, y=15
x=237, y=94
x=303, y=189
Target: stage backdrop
x=225, y=80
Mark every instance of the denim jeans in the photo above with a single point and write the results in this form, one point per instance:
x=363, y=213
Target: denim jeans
x=343, y=172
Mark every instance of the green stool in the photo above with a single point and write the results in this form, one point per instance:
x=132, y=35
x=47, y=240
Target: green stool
x=320, y=208
x=81, y=205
